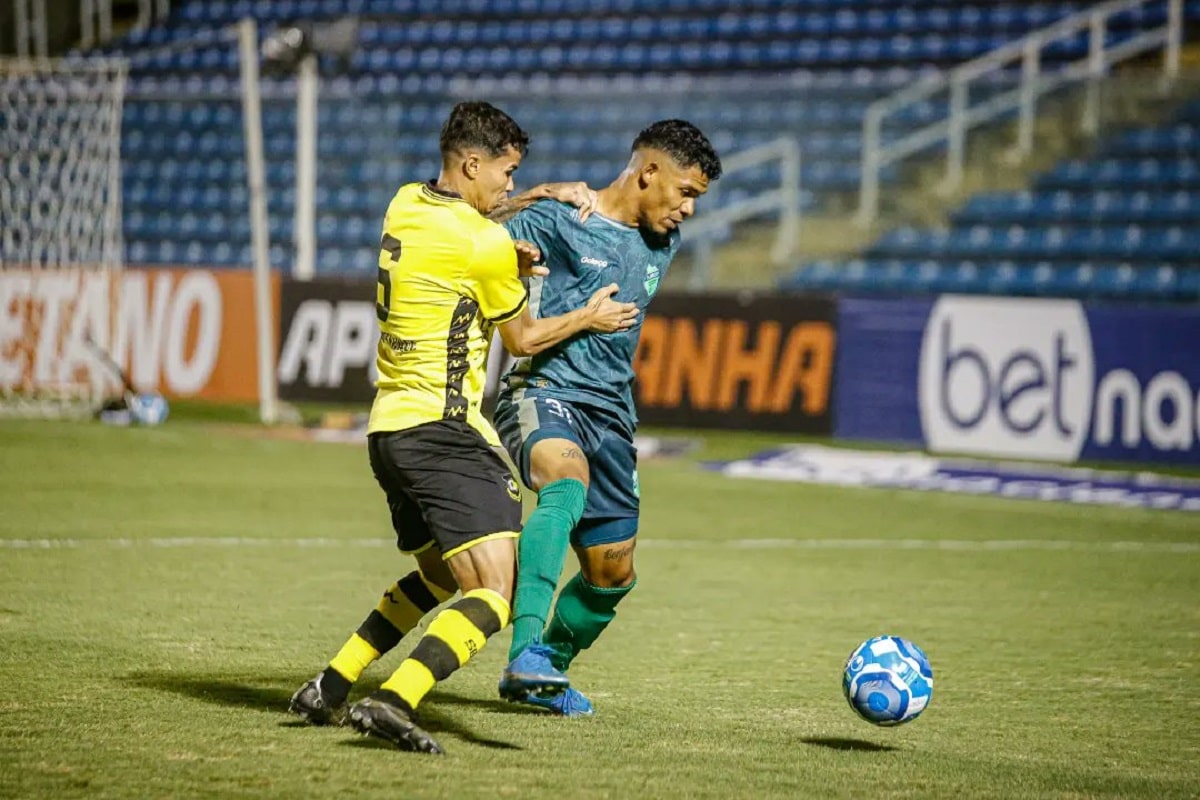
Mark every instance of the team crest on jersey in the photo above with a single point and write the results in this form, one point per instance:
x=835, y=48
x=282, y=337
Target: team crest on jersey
x=651, y=284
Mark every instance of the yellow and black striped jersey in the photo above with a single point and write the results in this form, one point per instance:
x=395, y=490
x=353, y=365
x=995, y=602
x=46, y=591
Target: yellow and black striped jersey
x=447, y=276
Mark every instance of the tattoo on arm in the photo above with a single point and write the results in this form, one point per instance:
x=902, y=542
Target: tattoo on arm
x=505, y=211
x=572, y=452
x=509, y=208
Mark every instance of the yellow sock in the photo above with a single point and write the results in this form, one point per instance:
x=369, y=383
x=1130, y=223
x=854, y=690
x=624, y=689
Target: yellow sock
x=407, y=602
x=399, y=611
x=453, y=638
x=411, y=681
x=354, y=657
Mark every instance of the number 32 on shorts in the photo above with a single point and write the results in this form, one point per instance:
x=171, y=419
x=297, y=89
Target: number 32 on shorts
x=557, y=408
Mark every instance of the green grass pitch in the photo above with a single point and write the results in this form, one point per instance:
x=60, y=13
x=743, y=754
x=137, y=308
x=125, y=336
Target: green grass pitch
x=203, y=572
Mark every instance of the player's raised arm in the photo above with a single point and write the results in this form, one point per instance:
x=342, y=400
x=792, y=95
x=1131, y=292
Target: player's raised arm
x=575, y=193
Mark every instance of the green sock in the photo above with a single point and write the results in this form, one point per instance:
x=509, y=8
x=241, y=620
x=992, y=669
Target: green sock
x=541, y=551
x=581, y=615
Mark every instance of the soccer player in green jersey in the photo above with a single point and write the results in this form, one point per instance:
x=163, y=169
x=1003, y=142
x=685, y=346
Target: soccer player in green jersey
x=567, y=414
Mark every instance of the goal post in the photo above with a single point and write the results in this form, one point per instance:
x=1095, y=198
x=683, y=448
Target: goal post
x=260, y=243
x=196, y=183
x=61, y=248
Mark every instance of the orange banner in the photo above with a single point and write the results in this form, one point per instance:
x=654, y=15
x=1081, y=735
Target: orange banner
x=725, y=361
x=184, y=332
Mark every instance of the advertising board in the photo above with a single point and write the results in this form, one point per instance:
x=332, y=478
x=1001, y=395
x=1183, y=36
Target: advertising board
x=1055, y=380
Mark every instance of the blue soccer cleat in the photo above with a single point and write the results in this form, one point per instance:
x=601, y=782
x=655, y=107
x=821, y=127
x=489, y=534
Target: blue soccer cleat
x=570, y=703
x=532, y=673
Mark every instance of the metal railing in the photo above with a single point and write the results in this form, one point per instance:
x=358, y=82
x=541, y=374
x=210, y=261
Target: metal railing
x=1034, y=82
x=704, y=227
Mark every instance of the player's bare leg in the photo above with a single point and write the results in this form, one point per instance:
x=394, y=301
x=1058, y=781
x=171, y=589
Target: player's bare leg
x=322, y=700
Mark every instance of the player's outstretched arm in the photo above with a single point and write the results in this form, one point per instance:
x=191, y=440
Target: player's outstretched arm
x=576, y=193
x=526, y=336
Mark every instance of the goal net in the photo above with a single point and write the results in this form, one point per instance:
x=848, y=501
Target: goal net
x=60, y=236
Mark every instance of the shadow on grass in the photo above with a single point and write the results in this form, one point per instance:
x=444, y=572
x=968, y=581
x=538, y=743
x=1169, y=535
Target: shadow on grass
x=368, y=743
x=440, y=697
x=493, y=705
x=834, y=743
x=438, y=724
x=433, y=719
x=265, y=694
x=272, y=694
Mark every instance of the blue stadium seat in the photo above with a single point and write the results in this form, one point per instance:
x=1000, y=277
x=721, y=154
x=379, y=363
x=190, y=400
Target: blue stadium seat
x=1188, y=283
x=1113, y=226
x=188, y=156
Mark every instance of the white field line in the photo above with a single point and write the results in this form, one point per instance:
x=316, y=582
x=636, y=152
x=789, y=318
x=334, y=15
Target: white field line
x=958, y=545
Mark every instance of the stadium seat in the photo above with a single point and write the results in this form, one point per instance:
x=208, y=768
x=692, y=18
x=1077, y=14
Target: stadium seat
x=374, y=119
x=1120, y=224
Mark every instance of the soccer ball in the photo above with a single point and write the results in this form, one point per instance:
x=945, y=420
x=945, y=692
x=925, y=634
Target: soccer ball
x=148, y=408
x=888, y=680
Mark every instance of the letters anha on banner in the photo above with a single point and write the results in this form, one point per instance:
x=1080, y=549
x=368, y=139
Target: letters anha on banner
x=185, y=332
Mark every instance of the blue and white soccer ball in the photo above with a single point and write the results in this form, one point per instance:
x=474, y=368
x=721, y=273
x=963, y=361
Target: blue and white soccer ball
x=148, y=408
x=888, y=680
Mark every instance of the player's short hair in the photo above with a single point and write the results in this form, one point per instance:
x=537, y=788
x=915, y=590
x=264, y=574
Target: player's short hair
x=684, y=142
x=475, y=123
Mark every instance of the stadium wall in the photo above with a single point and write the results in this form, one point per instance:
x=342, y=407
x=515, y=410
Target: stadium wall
x=704, y=361
x=1043, y=379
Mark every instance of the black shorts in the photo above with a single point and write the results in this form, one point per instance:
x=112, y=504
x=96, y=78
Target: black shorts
x=445, y=486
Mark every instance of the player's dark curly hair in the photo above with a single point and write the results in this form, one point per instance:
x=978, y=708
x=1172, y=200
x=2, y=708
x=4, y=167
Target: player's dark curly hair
x=475, y=123
x=684, y=142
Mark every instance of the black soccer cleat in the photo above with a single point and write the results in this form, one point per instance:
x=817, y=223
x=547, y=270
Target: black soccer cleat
x=379, y=715
x=315, y=705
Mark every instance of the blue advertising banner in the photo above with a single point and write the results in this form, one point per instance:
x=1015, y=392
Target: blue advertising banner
x=875, y=392
x=1055, y=380
x=1147, y=400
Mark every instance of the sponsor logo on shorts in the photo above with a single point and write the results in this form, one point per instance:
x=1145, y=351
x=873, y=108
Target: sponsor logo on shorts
x=514, y=490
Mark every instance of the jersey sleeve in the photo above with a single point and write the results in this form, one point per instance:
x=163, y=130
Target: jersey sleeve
x=538, y=223
x=493, y=277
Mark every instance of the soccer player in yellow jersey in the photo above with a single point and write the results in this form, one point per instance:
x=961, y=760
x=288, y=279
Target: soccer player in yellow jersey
x=448, y=277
